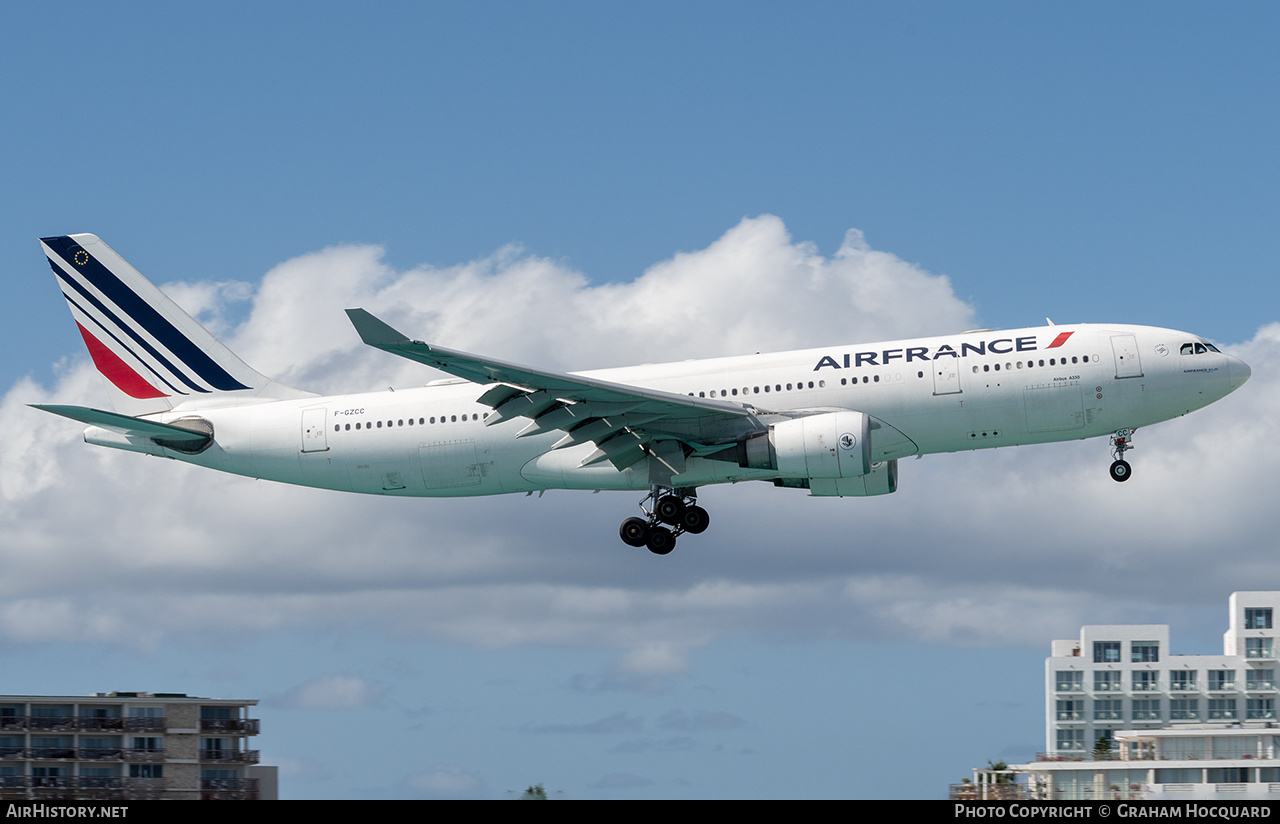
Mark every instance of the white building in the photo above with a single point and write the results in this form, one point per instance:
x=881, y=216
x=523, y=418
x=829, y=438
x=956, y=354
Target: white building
x=1125, y=718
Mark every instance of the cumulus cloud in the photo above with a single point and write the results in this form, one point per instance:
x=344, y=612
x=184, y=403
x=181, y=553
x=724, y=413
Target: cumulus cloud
x=989, y=547
x=654, y=659
x=333, y=692
x=443, y=781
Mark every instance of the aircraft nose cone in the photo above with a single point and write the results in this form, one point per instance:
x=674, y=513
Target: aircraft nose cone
x=1239, y=372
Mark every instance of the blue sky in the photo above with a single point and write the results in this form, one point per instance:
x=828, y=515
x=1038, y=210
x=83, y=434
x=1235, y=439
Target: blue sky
x=1003, y=161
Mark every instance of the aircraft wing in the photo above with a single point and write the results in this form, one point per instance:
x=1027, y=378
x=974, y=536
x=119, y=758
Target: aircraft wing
x=625, y=422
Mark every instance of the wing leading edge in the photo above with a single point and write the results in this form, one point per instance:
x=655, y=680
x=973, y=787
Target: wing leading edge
x=625, y=422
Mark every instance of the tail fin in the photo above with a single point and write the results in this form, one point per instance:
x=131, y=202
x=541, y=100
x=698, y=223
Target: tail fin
x=152, y=355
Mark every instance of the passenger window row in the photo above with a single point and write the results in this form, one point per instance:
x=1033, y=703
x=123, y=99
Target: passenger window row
x=756, y=390
x=366, y=425
x=1031, y=364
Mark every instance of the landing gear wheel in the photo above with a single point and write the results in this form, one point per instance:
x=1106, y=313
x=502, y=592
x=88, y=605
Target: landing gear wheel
x=1121, y=442
x=635, y=532
x=661, y=540
x=669, y=513
x=695, y=520
x=670, y=509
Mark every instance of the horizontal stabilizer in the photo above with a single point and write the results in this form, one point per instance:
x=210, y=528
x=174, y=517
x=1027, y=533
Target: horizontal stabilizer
x=125, y=424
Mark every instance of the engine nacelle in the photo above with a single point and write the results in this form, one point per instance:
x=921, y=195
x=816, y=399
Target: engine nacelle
x=830, y=445
x=828, y=453
x=826, y=445
x=881, y=480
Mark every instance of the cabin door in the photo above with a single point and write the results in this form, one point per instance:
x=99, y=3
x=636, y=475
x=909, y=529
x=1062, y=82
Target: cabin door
x=1125, y=348
x=315, y=437
x=946, y=377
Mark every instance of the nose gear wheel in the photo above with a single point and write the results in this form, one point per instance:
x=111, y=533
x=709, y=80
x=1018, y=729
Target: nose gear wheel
x=1121, y=442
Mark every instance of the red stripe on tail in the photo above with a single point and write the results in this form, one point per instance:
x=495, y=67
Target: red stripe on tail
x=116, y=370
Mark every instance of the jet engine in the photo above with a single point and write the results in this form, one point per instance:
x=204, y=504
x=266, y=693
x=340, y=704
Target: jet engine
x=828, y=453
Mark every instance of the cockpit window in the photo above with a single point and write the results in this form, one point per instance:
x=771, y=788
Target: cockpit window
x=1186, y=349
x=1197, y=348
x=1200, y=350
x=1211, y=347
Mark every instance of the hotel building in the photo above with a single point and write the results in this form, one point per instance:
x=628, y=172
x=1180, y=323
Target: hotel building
x=129, y=746
x=1126, y=718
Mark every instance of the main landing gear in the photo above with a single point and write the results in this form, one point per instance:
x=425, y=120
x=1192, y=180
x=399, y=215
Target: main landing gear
x=677, y=508
x=1121, y=442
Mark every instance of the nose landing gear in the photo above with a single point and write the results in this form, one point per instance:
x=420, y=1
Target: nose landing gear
x=1121, y=442
x=676, y=508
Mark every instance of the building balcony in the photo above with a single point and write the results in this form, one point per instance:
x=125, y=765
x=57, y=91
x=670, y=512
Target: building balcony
x=79, y=754
x=229, y=789
x=1130, y=793
x=83, y=754
x=988, y=792
x=102, y=724
x=28, y=723
x=40, y=723
x=240, y=726
x=1148, y=755
x=233, y=756
x=1077, y=755
x=48, y=783
x=145, y=724
x=85, y=788
x=143, y=789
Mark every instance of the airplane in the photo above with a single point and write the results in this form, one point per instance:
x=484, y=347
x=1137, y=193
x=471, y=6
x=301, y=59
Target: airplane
x=833, y=420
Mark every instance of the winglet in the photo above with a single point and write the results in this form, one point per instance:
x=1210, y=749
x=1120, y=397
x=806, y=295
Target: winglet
x=373, y=331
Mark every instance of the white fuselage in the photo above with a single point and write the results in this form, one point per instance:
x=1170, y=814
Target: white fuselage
x=946, y=394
